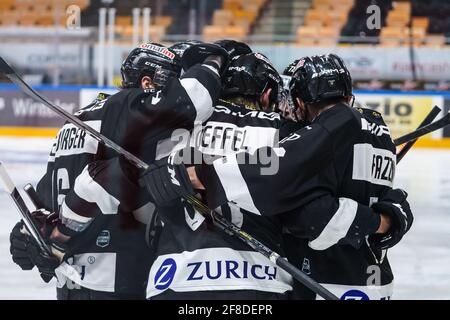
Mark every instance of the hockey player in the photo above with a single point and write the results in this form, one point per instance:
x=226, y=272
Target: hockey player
x=333, y=190
x=195, y=261
x=108, y=257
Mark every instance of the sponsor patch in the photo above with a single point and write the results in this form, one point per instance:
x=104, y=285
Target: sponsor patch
x=164, y=51
x=216, y=269
x=165, y=274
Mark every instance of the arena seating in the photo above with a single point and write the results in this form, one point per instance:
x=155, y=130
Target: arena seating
x=35, y=13
x=323, y=22
x=404, y=22
x=304, y=22
x=233, y=20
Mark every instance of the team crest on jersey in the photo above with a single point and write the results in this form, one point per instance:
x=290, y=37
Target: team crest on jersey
x=306, y=266
x=103, y=239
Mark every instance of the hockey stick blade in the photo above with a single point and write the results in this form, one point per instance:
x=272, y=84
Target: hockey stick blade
x=23, y=209
x=439, y=124
x=428, y=119
x=202, y=208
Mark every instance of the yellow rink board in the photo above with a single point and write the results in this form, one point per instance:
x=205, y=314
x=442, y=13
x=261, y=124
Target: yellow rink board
x=30, y=132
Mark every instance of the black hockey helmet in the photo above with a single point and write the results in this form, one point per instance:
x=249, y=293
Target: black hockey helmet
x=289, y=70
x=152, y=59
x=250, y=75
x=180, y=47
x=319, y=78
x=233, y=47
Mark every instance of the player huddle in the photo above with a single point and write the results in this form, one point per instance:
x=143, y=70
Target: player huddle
x=295, y=166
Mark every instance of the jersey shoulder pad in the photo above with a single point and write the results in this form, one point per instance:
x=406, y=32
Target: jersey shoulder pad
x=101, y=96
x=370, y=115
x=339, y=118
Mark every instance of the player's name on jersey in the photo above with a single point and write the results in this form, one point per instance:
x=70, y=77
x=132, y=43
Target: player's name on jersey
x=221, y=138
x=381, y=169
x=72, y=140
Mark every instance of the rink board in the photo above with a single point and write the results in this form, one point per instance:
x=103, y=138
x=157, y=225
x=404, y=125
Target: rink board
x=402, y=111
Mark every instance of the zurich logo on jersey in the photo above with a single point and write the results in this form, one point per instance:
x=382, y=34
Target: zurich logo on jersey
x=355, y=295
x=165, y=274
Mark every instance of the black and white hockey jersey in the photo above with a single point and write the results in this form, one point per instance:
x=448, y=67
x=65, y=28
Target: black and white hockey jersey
x=193, y=258
x=83, y=182
x=330, y=172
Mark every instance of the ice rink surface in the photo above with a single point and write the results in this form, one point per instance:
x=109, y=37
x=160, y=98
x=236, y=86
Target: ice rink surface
x=421, y=263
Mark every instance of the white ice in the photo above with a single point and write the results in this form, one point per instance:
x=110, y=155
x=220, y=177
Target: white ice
x=421, y=263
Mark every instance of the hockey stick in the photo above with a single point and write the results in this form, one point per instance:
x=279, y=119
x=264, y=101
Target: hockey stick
x=439, y=124
x=218, y=220
x=23, y=210
x=428, y=119
x=27, y=219
x=31, y=192
x=15, y=78
x=284, y=264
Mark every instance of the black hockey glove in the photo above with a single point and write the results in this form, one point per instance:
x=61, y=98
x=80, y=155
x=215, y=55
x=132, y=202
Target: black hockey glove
x=198, y=53
x=233, y=47
x=25, y=250
x=167, y=181
x=393, y=203
x=19, y=240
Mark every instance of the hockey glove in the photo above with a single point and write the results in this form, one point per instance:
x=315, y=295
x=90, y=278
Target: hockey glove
x=46, y=264
x=167, y=181
x=25, y=250
x=198, y=53
x=19, y=239
x=393, y=203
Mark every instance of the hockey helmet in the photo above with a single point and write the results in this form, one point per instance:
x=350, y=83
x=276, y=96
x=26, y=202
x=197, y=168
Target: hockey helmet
x=250, y=75
x=318, y=78
x=152, y=59
x=233, y=47
x=180, y=47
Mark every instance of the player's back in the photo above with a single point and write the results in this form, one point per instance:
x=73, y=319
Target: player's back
x=359, y=174
x=111, y=254
x=217, y=265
